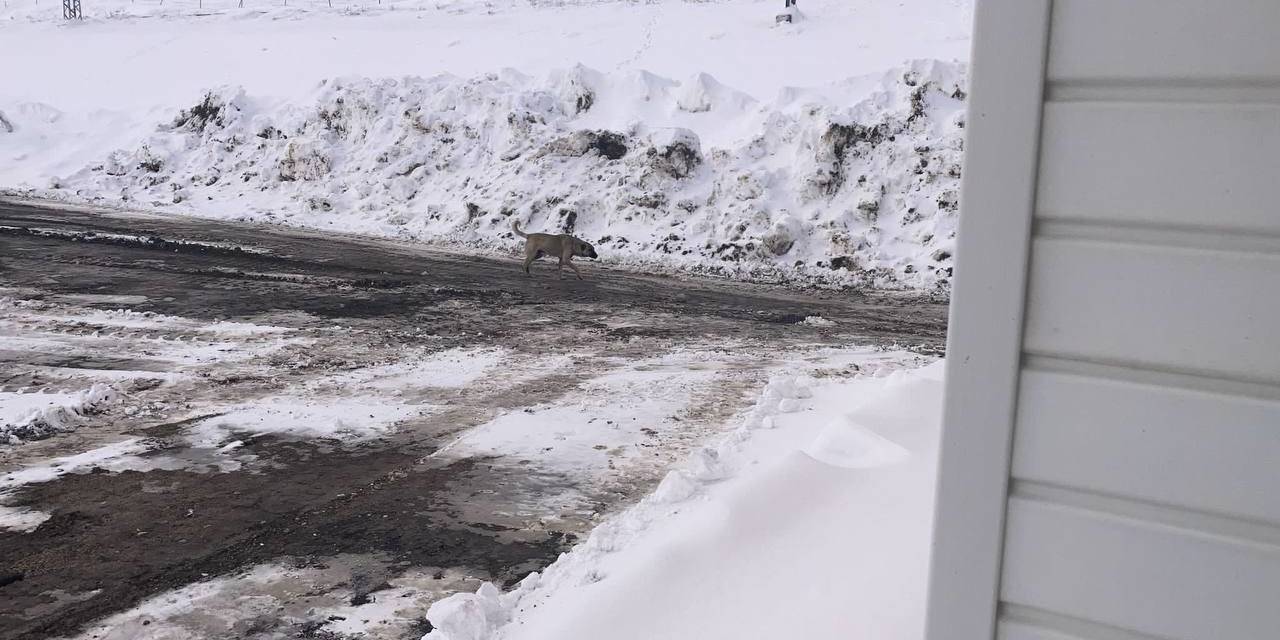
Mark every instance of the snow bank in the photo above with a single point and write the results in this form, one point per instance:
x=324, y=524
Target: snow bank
x=754, y=556
x=659, y=174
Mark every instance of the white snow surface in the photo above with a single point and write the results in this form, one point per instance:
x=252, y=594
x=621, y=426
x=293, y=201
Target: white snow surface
x=838, y=492
x=684, y=144
x=136, y=55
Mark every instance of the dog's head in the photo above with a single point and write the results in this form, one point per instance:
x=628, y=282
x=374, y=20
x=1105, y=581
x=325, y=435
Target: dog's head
x=584, y=249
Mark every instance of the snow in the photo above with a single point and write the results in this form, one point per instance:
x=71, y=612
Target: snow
x=116, y=456
x=710, y=180
x=448, y=369
x=163, y=349
x=21, y=519
x=226, y=606
x=840, y=490
x=348, y=419
x=351, y=405
x=606, y=420
x=817, y=321
x=738, y=160
x=284, y=49
x=41, y=414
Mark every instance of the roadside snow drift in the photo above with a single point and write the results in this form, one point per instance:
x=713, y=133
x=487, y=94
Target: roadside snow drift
x=821, y=530
x=854, y=184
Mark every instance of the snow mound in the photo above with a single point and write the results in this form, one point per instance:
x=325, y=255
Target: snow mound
x=54, y=413
x=469, y=616
x=853, y=446
x=696, y=176
x=704, y=93
x=817, y=321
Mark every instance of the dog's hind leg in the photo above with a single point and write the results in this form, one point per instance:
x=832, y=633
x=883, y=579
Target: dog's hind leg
x=528, y=261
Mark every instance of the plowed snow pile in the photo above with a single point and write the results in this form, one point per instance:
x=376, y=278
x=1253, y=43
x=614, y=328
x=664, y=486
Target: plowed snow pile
x=856, y=183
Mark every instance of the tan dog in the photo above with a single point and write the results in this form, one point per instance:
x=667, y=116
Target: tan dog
x=560, y=245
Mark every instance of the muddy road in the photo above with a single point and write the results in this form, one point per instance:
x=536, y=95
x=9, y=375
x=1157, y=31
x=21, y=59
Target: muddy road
x=326, y=421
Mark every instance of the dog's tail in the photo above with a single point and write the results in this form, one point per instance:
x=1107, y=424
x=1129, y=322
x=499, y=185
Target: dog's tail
x=515, y=226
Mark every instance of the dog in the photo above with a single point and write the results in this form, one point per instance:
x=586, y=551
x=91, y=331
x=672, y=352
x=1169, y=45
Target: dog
x=560, y=245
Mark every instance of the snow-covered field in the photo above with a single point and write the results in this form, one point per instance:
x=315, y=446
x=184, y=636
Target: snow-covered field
x=675, y=135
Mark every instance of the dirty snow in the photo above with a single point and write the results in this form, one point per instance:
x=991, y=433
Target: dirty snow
x=448, y=369
x=347, y=419
x=627, y=419
x=111, y=352
x=337, y=591
x=42, y=414
x=117, y=456
x=817, y=321
x=607, y=421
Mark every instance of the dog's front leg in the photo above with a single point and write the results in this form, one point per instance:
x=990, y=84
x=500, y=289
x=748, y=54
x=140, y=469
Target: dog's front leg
x=575, y=269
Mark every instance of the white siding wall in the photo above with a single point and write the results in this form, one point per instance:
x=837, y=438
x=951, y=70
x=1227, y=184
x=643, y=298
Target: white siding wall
x=1136, y=469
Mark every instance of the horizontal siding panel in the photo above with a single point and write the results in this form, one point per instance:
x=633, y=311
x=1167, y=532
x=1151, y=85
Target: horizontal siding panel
x=1152, y=579
x=1186, y=165
x=1159, y=39
x=1166, y=308
x=1012, y=630
x=1178, y=447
